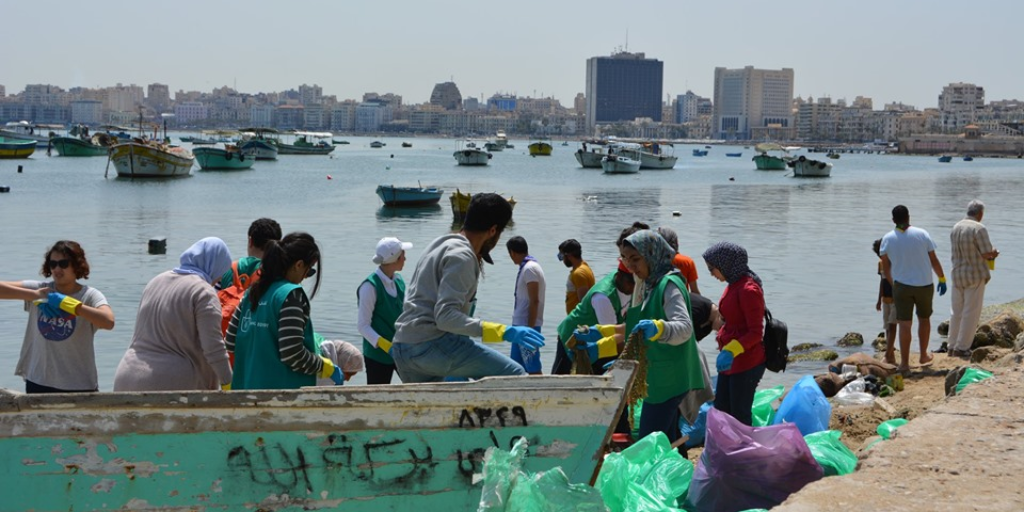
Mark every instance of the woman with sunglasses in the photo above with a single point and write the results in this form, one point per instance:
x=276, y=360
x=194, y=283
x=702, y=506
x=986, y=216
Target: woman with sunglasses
x=177, y=343
x=57, y=355
x=270, y=333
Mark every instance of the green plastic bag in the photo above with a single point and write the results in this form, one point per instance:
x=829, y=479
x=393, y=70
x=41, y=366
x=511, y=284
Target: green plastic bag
x=646, y=477
x=971, y=375
x=507, y=488
x=762, y=411
x=833, y=456
x=887, y=429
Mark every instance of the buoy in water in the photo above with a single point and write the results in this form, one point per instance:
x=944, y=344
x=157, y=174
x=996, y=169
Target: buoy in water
x=677, y=213
x=732, y=178
x=388, y=168
x=330, y=177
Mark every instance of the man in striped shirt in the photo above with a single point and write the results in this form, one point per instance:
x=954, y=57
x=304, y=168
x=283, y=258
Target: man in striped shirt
x=973, y=256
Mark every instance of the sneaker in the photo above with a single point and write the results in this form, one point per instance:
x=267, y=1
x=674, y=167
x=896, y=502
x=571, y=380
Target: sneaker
x=962, y=354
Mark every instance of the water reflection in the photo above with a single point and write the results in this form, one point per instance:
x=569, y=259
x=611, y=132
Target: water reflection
x=385, y=213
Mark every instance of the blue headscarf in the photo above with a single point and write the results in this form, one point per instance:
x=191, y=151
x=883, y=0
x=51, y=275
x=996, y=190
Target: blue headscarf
x=656, y=252
x=208, y=258
x=731, y=260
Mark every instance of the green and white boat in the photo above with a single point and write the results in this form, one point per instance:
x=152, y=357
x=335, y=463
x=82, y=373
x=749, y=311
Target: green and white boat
x=79, y=143
x=227, y=158
x=304, y=144
x=353, y=448
x=766, y=162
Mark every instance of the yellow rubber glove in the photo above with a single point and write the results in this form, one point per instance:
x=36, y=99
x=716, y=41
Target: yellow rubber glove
x=607, y=347
x=70, y=304
x=734, y=347
x=328, y=368
x=384, y=345
x=493, y=333
x=606, y=330
x=225, y=387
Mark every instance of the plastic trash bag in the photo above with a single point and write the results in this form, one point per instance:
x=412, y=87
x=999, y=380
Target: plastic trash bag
x=506, y=488
x=887, y=429
x=646, y=477
x=695, y=432
x=749, y=467
x=853, y=393
x=806, y=406
x=971, y=375
x=835, y=458
x=762, y=412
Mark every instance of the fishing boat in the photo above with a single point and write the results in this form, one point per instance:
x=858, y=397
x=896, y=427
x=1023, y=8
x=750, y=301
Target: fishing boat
x=540, y=148
x=806, y=168
x=97, y=145
x=377, y=144
x=620, y=164
x=833, y=155
x=16, y=148
x=498, y=143
x=227, y=158
x=39, y=134
x=469, y=154
x=768, y=162
x=143, y=158
x=700, y=152
x=259, y=143
x=353, y=448
x=460, y=203
x=407, y=144
x=734, y=155
x=409, y=196
x=946, y=159
x=652, y=155
x=337, y=142
x=306, y=143
x=968, y=158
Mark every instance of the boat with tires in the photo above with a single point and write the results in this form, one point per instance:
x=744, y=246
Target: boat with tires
x=469, y=154
x=804, y=167
x=619, y=164
x=409, y=196
x=16, y=148
x=227, y=158
x=143, y=158
x=259, y=143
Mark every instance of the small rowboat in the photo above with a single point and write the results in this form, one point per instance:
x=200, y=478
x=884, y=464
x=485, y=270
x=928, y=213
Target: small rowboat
x=16, y=148
x=409, y=196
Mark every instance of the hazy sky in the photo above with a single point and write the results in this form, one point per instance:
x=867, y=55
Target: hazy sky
x=888, y=50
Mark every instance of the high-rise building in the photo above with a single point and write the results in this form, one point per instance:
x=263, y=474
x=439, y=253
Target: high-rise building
x=447, y=96
x=502, y=102
x=3, y=91
x=690, y=105
x=310, y=94
x=87, y=112
x=959, y=105
x=579, y=104
x=753, y=103
x=158, y=97
x=623, y=87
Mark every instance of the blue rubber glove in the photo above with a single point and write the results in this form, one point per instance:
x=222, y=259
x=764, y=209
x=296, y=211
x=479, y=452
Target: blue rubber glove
x=524, y=336
x=724, y=361
x=338, y=377
x=591, y=336
x=652, y=329
x=941, y=287
x=59, y=301
x=47, y=311
x=591, y=348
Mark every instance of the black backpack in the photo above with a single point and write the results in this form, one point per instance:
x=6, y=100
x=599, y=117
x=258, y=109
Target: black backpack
x=776, y=335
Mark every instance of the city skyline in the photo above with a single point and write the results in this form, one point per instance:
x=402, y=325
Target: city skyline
x=890, y=53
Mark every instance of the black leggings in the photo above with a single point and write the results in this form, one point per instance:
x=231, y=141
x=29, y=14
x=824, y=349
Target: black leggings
x=377, y=372
x=735, y=393
x=33, y=388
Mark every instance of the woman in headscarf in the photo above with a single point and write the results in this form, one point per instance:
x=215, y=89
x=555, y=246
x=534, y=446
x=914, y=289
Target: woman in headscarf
x=662, y=315
x=741, y=360
x=177, y=344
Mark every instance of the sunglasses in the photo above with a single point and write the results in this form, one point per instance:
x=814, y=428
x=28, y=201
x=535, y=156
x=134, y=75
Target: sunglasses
x=58, y=263
x=310, y=272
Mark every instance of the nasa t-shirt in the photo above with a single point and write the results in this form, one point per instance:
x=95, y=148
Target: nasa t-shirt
x=58, y=351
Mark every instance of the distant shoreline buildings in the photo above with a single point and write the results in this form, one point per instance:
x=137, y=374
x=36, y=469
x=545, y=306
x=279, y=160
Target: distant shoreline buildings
x=623, y=96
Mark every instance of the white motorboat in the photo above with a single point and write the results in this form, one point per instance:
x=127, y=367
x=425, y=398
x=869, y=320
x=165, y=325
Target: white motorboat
x=807, y=168
x=653, y=155
x=469, y=154
x=619, y=164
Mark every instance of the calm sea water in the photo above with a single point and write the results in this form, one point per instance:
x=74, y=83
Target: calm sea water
x=809, y=239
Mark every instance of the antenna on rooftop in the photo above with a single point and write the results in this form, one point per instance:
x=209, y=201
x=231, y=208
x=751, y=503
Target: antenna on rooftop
x=627, y=39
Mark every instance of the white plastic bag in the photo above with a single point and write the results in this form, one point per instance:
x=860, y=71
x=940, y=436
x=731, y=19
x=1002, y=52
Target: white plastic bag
x=853, y=394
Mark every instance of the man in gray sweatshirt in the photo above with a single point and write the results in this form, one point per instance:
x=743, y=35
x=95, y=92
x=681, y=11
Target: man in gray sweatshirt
x=432, y=338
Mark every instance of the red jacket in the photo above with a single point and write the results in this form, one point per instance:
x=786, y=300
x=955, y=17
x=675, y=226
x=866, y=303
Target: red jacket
x=742, y=308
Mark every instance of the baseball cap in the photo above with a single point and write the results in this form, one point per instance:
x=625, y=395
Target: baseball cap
x=388, y=250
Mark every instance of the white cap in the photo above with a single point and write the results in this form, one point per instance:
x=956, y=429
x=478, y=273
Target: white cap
x=388, y=250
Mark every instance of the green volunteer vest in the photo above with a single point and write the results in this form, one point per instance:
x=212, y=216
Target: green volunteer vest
x=385, y=312
x=671, y=370
x=257, y=360
x=583, y=313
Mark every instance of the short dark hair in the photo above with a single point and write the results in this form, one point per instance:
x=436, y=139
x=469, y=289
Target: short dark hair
x=263, y=230
x=74, y=253
x=486, y=210
x=900, y=214
x=572, y=247
x=637, y=226
x=877, y=246
x=517, y=244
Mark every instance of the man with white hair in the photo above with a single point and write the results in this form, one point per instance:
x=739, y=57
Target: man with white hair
x=973, y=258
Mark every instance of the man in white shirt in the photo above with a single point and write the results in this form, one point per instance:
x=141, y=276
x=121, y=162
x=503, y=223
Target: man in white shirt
x=529, y=300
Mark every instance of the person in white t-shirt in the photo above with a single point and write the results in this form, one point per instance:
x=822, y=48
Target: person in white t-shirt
x=529, y=300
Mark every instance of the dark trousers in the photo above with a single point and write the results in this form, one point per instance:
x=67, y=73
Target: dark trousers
x=735, y=393
x=378, y=373
x=32, y=387
x=663, y=417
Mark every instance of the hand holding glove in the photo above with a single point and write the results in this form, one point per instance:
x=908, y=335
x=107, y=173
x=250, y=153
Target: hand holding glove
x=941, y=287
x=329, y=370
x=384, y=345
x=652, y=329
x=728, y=354
x=598, y=341
x=524, y=336
x=58, y=301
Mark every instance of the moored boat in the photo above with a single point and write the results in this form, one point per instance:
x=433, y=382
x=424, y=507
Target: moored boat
x=337, y=142
x=968, y=158
x=768, y=162
x=39, y=134
x=228, y=158
x=540, y=148
x=460, y=203
x=619, y=164
x=149, y=159
x=97, y=145
x=353, y=448
x=652, y=155
x=946, y=158
x=258, y=143
x=377, y=144
x=407, y=144
x=304, y=144
x=806, y=168
x=16, y=148
x=734, y=155
x=469, y=154
x=409, y=196
x=700, y=152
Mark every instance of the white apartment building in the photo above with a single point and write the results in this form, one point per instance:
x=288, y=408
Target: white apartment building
x=960, y=103
x=260, y=116
x=87, y=112
x=753, y=103
x=124, y=98
x=187, y=112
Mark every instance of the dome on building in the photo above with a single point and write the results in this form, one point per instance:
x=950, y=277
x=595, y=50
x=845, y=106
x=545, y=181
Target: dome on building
x=447, y=96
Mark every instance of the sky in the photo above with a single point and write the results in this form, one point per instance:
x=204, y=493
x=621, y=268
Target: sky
x=887, y=50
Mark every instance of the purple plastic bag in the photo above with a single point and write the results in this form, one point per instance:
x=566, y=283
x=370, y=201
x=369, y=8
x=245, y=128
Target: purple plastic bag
x=749, y=467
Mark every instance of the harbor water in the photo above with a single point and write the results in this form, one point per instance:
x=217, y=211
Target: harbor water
x=808, y=239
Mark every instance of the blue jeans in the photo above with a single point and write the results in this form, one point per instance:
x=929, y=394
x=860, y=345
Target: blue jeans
x=450, y=355
x=529, y=359
x=735, y=393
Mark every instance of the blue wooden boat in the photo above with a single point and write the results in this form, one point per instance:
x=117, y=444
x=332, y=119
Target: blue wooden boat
x=734, y=155
x=700, y=152
x=409, y=196
x=16, y=148
x=968, y=158
x=353, y=448
x=945, y=159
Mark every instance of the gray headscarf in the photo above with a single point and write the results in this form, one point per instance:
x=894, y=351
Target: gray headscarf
x=731, y=260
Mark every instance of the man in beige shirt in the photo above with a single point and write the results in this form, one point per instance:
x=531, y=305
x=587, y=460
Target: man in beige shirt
x=973, y=256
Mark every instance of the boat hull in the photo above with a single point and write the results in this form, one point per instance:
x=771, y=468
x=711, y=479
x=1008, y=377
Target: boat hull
x=540, y=149
x=16, y=148
x=589, y=159
x=409, y=196
x=769, y=163
x=259, y=149
x=650, y=160
x=472, y=157
x=134, y=160
x=38, y=140
x=620, y=165
x=359, y=448
x=72, y=146
x=217, y=159
x=291, y=149
x=807, y=168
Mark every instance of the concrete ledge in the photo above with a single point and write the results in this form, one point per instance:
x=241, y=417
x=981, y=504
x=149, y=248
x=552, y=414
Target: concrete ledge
x=966, y=453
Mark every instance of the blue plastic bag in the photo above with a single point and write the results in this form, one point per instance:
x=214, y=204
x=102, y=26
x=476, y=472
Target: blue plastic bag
x=806, y=406
x=696, y=431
